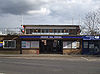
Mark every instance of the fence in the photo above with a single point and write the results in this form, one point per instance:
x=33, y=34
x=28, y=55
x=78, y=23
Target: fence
x=12, y=31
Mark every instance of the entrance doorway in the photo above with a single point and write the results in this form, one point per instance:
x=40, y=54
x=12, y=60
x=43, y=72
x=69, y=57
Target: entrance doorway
x=51, y=46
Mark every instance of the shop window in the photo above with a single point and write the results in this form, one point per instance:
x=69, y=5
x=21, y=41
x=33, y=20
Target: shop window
x=34, y=44
x=25, y=44
x=91, y=46
x=75, y=44
x=9, y=44
x=55, y=43
x=78, y=45
x=45, y=42
x=30, y=44
x=67, y=44
x=71, y=44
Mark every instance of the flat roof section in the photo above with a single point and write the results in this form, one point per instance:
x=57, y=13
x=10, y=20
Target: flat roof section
x=51, y=25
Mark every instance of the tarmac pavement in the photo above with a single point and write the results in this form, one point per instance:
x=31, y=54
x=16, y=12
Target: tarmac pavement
x=53, y=57
x=45, y=55
x=50, y=65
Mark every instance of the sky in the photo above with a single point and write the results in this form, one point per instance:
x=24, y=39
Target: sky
x=48, y=12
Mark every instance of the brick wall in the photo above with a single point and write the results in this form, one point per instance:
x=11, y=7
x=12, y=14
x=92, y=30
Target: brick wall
x=72, y=51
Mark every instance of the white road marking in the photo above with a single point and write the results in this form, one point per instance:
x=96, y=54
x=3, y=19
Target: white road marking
x=85, y=58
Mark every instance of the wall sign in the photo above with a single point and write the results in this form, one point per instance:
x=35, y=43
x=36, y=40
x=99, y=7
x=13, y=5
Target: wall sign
x=91, y=37
x=1, y=44
x=82, y=37
x=50, y=36
x=30, y=36
x=71, y=36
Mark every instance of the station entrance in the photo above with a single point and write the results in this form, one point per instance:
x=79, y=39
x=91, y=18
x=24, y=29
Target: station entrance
x=51, y=46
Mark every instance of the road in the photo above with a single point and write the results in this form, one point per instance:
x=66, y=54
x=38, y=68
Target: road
x=49, y=65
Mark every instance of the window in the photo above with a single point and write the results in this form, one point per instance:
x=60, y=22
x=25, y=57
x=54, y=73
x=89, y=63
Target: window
x=73, y=32
x=64, y=31
x=85, y=44
x=74, y=44
x=67, y=44
x=9, y=44
x=25, y=44
x=34, y=44
x=39, y=30
x=27, y=31
x=31, y=31
x=71, y=44
x=50, y=30
x=55, y=30
x=35, y=31
x=58, y=30
x=45, y=31
x=42, y=30
x=30, y=44
x=91, y=46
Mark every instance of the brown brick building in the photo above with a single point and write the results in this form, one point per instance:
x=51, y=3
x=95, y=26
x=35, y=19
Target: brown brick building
x=44, y=39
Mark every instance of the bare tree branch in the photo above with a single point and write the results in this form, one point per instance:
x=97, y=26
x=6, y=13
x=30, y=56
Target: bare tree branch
x=92, y=22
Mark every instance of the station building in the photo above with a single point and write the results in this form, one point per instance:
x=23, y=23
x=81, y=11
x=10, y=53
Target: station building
x=9, y=44
x=48, y=39
x=91, y=44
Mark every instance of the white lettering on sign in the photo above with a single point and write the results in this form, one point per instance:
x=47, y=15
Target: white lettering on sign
x=97, y=37
x=44, y=36
x=57, y=37
x=51, y=36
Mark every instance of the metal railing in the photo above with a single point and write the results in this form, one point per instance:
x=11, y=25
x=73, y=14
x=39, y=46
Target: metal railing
x=50, y=33
x=12, y=31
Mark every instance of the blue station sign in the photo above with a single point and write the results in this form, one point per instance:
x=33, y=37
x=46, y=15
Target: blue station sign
x=50, y=36
x=71, y=36
x=91, y=37
x=29, y=36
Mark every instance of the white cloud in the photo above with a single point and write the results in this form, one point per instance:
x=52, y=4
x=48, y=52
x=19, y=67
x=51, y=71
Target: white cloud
x=46, y=11
x=43, y=11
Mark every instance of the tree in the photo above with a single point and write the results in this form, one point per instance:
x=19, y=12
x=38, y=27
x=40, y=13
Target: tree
x=92, y=23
